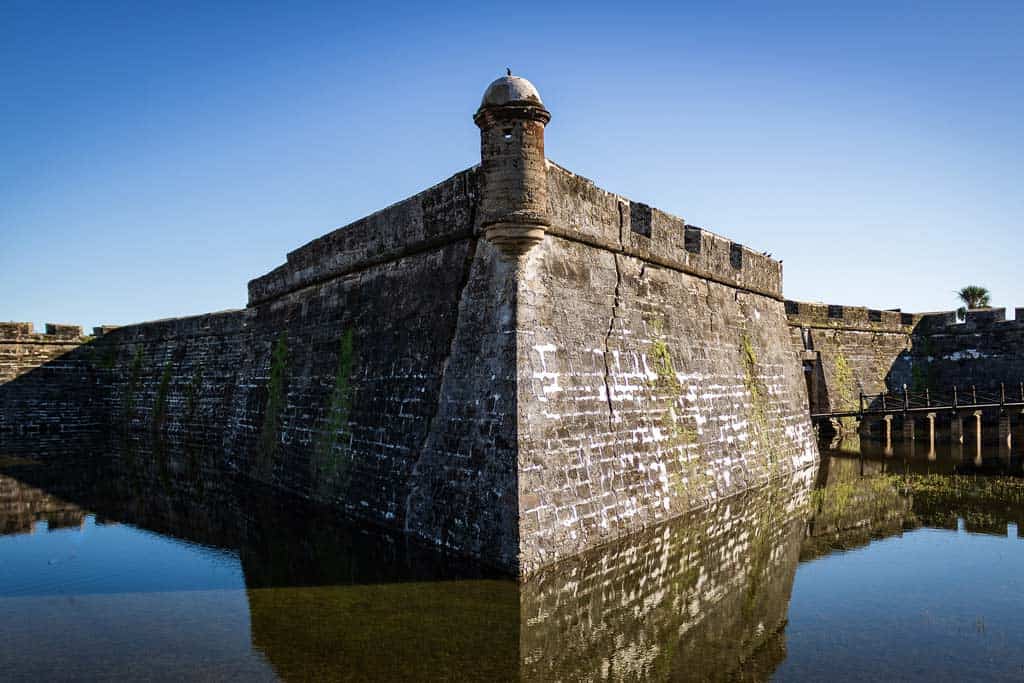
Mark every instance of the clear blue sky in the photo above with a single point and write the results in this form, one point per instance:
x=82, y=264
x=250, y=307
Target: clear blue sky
x=155, y=157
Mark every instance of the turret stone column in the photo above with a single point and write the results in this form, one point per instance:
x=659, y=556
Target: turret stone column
x=511, y=119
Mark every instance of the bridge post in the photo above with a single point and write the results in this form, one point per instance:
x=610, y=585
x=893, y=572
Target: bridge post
x=959, y=454
x=978, y=460
x=956, y=428
x=908, y=427
x=887, y=421
x=931, y=435
x=1005, y=429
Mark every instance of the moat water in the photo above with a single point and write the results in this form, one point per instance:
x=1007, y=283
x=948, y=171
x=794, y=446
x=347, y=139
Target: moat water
x=906, y=565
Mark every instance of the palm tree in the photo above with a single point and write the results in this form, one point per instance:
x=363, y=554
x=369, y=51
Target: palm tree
x=973, y=296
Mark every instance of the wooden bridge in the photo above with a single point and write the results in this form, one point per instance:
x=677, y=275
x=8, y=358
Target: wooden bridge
x=908, y=402
x=929, y=404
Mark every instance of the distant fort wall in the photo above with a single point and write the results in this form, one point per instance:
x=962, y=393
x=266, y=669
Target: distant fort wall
x=849, y=349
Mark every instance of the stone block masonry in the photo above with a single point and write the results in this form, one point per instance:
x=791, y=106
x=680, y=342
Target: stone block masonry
x=513, y=365
x=645, y=389
x=22, y=348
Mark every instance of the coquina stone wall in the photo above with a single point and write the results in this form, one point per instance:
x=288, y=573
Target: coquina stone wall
x=46, y=390
x=645, y=389
x=847, y=349
x=986, y=350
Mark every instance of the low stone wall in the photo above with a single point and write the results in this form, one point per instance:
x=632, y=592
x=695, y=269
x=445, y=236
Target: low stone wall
x=46, y=387
x=846, y=350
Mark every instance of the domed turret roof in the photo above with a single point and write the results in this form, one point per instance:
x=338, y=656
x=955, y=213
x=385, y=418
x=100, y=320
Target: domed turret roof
x=511, y=90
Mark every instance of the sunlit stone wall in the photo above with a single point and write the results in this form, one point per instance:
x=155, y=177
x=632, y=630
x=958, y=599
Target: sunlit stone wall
x=654, y=377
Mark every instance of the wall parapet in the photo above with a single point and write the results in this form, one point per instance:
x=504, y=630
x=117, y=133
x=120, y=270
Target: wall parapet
x=56, y=333
x=806, y=314
x=841, y=317
x=583, y=212
x=444, y=213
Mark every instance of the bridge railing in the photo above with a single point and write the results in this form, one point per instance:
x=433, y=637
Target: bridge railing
x=905, y=400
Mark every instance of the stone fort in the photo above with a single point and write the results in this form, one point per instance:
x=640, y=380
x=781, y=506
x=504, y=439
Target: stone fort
x=514, y=365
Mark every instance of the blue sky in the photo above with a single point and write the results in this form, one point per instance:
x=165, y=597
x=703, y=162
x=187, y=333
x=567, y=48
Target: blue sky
x=155, y=157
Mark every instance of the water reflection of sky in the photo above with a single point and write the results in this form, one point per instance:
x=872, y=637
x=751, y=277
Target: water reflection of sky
x=106, y=601
x=110, y=558
x=932, y=604
x=300, y=599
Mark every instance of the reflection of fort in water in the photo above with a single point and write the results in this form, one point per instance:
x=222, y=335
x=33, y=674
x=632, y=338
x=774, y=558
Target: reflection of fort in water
x=700, y=598
x=705, y=597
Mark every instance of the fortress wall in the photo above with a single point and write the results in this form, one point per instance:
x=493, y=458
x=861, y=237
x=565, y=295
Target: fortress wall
x=630, y=369
x=583, y=212
x=436, y=216
x=338, y=392
x=22, y=348
x=644, y=391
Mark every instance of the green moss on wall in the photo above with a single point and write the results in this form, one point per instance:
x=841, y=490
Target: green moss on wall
x=844, y=383
x=128, y=404
x=268, y=453
x=192, y=453
x=758, y=392
x=331, y=460
x=160, y=405
x=663, y=365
